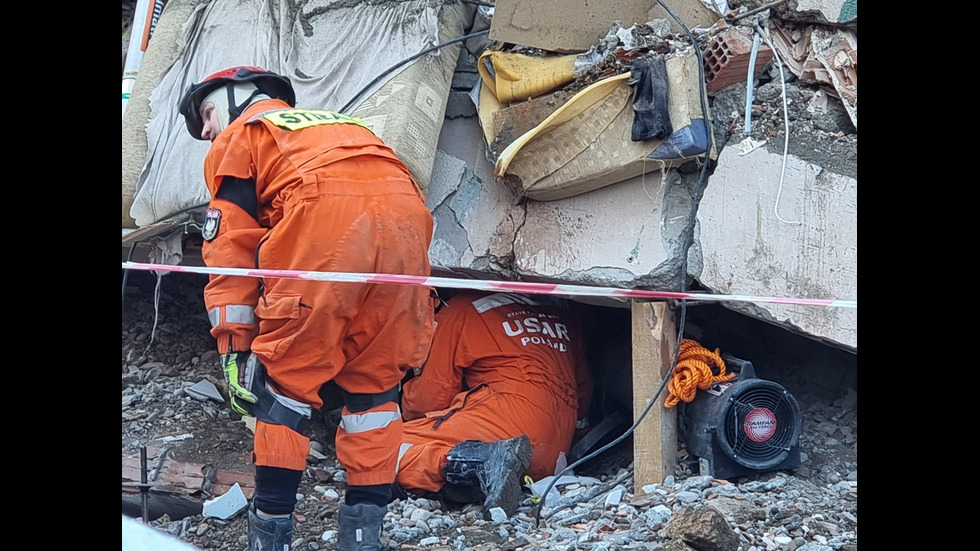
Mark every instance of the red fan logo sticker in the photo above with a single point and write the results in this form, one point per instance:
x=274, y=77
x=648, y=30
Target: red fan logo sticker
x=760, y=425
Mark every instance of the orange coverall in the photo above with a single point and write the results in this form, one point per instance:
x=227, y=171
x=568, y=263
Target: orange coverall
x=501, y=365
x=328, y=195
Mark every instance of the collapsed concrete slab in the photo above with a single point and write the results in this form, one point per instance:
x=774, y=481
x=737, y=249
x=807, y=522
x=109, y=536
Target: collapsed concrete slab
x=768, y=232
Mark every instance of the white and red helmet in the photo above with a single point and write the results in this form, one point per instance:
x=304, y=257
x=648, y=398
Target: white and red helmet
x=239, y=80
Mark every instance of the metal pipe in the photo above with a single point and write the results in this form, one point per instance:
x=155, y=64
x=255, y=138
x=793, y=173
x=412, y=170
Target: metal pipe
x=134, y=54
x=758, y=10
x=750, y=85
x=144, y=487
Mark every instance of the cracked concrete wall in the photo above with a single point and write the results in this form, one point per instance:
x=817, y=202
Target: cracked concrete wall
x=475, y=220
x=626, y=235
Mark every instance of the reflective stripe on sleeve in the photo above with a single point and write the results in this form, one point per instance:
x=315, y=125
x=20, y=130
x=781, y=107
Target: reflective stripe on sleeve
x=496, y=300
x=234, y=313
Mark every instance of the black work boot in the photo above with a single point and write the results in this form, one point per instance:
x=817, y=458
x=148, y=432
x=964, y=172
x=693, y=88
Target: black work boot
x=489, y=472
x=360, y=527
x=274, y=534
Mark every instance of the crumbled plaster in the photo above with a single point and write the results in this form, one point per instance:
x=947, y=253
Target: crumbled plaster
x=466, y=236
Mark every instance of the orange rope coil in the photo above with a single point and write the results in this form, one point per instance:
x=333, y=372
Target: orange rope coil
x=693, y=371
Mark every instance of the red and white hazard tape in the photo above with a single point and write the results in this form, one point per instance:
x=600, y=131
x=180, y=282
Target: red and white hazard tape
x=509, y=286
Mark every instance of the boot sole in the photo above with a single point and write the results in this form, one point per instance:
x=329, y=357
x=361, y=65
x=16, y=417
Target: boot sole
x=509, y=495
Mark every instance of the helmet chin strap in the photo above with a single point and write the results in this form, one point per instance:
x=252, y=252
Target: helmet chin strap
x=246, y=90
x=231, y=100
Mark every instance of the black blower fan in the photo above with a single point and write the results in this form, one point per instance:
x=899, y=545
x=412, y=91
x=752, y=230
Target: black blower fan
x=744, y=427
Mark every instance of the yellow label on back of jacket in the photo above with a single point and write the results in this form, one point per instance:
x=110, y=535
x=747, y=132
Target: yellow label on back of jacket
x=295, y=119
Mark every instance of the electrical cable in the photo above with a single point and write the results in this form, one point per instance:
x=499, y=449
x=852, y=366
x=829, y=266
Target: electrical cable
x=750, y=85
x=688, y=242
x=405, y=61
x=782, y=79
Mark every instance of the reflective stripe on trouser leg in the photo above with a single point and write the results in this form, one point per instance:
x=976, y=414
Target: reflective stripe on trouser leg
x=420, y=466
x=272, y=407
x=367, y=444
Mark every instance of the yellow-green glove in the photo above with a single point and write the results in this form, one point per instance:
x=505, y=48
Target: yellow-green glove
x=233, y=377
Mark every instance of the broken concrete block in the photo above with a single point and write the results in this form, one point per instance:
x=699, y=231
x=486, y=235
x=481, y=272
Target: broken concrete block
x=727, y=56
x=204, y=390
x=498, y=515
x=226, y=505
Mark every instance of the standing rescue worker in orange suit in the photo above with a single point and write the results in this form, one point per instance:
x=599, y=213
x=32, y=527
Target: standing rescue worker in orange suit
x=302, y=189
x=501, y=394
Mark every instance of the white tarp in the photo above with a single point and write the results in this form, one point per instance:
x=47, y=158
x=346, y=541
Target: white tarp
x=137, y=536
x=331, y=50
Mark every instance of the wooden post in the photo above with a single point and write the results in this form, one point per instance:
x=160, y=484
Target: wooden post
x=655, y=438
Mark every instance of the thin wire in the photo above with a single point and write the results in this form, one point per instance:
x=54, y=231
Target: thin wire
x=156, y=312
x=643, y=178
x=782, y=79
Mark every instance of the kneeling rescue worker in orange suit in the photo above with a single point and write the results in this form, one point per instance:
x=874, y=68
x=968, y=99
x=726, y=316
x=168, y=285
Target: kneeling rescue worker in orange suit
x=504, y=388
x=303, y=189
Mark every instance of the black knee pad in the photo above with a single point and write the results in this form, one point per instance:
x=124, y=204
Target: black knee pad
x=357, y=403
x=275, y=489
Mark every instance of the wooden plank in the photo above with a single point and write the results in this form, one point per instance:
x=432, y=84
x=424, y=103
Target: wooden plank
x=185, y=478
x=655, y=438
x=148, y=232
x=137, y=244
